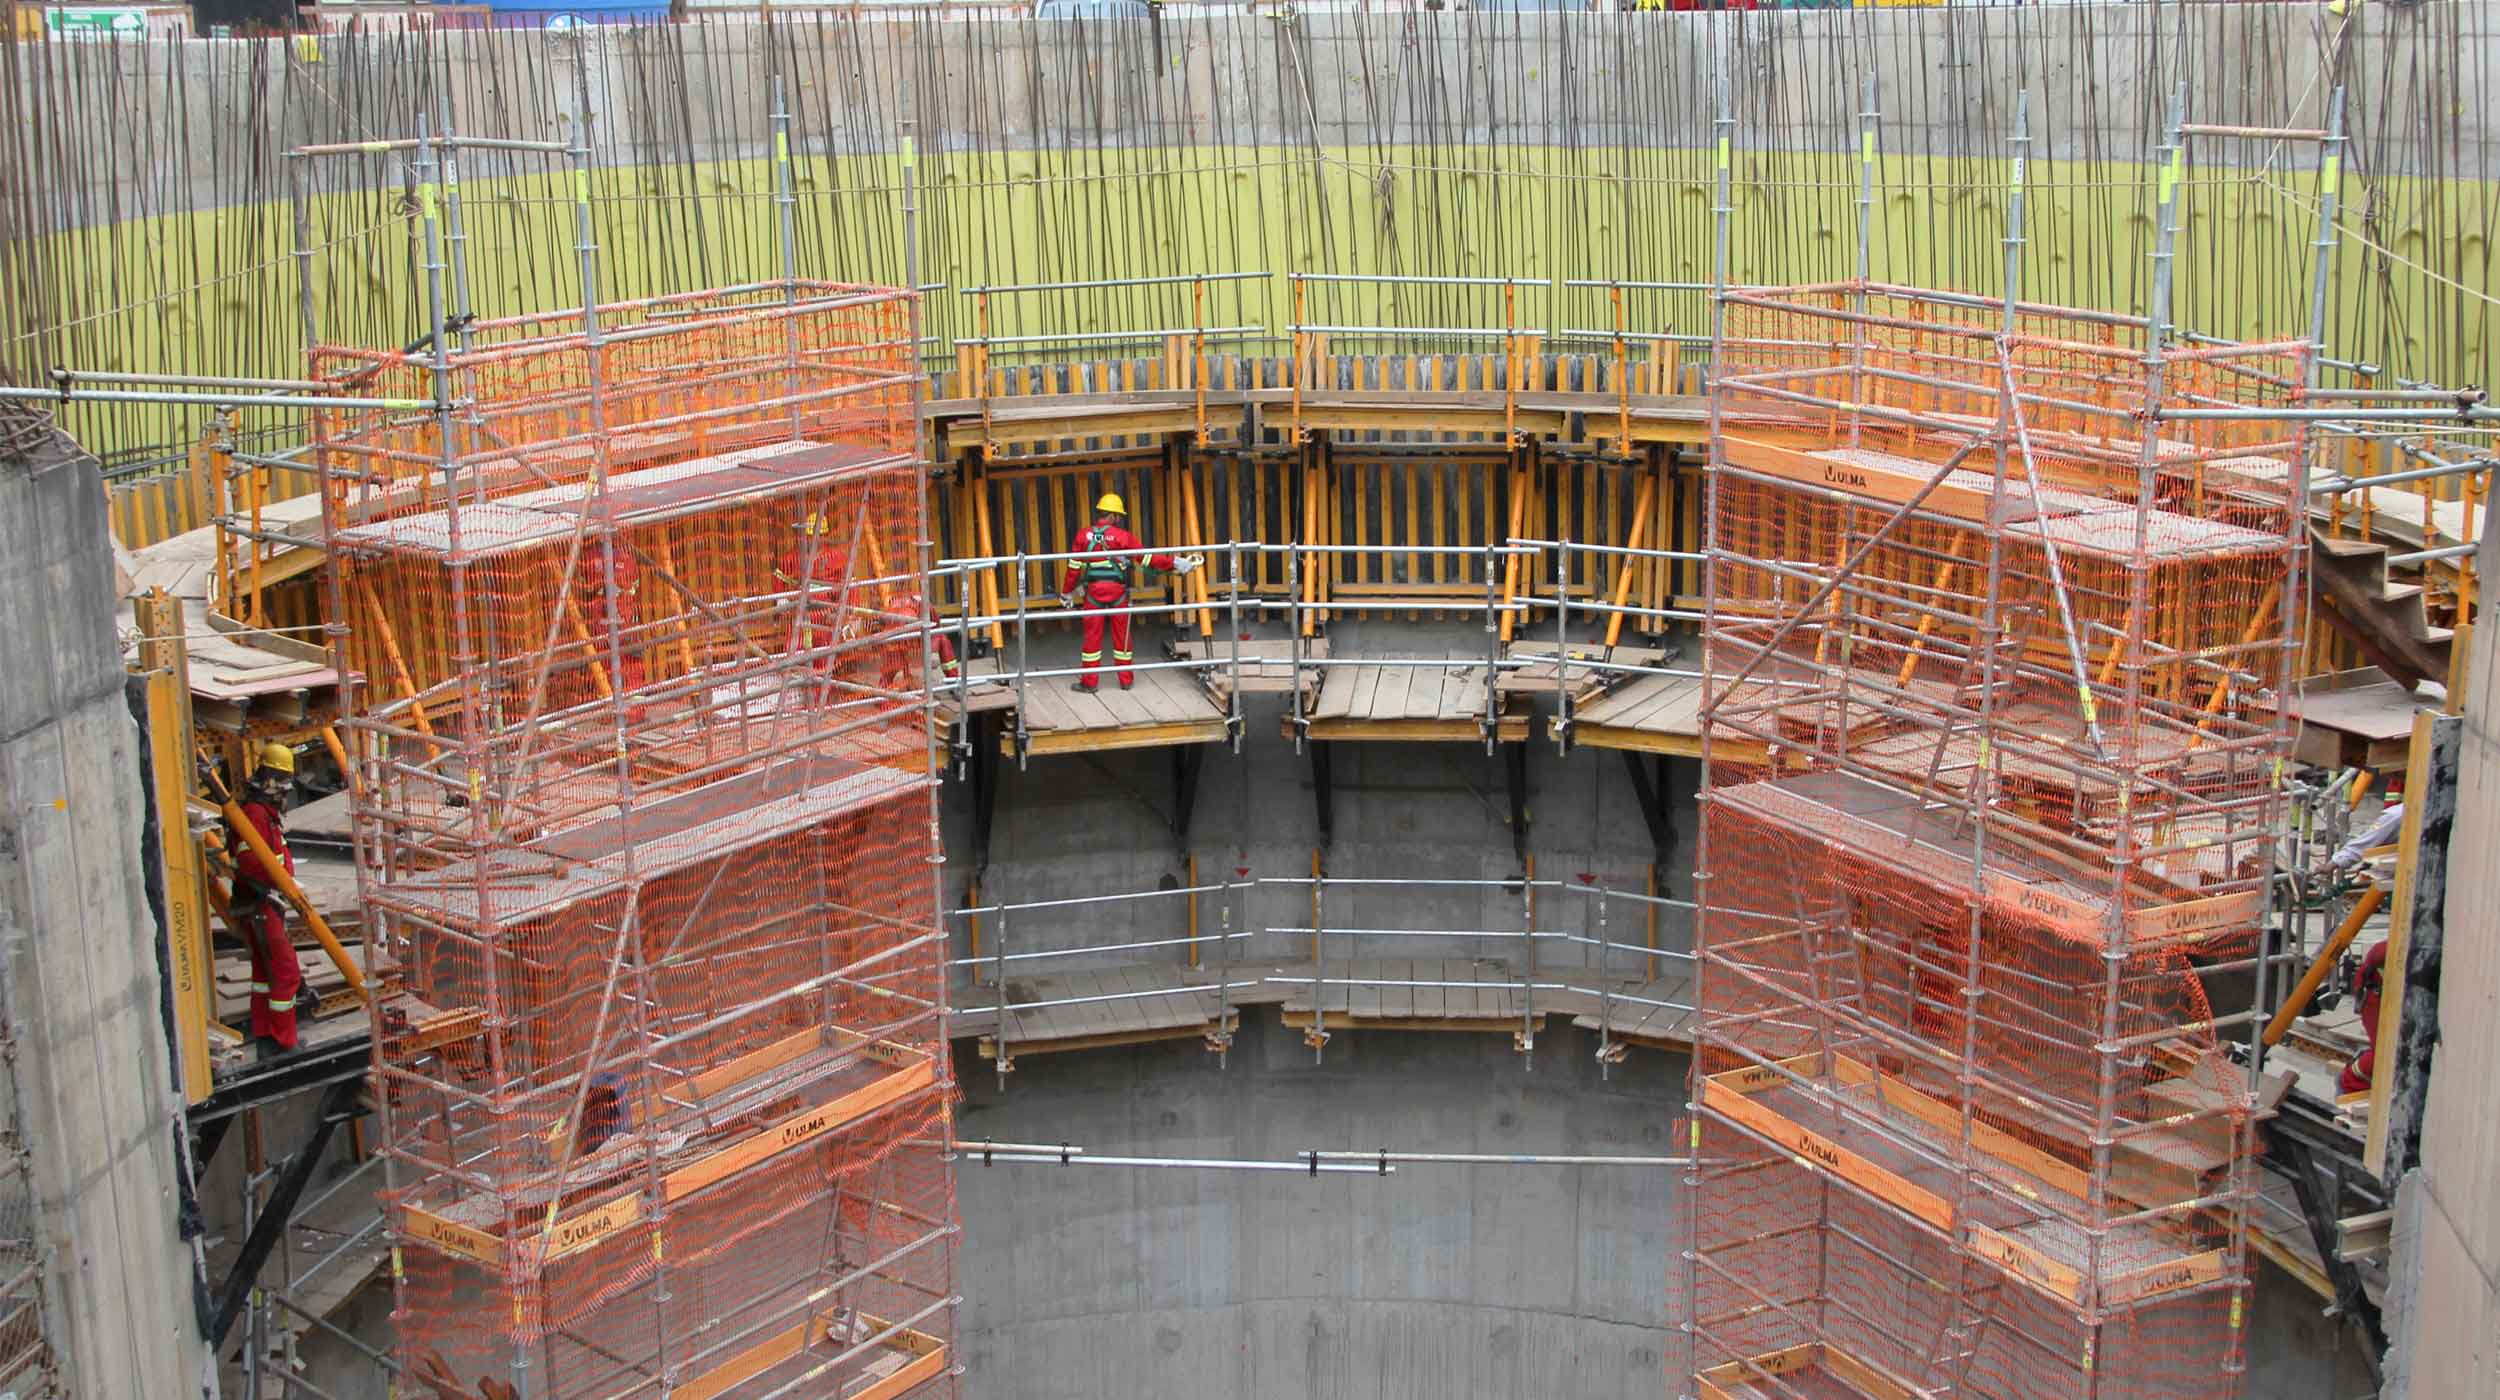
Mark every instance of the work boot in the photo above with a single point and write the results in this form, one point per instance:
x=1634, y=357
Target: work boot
x=1128, y=682
x=1082, y=687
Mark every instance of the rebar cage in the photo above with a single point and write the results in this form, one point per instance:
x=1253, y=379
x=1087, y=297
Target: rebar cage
x=646, y=832
x=2001, y=599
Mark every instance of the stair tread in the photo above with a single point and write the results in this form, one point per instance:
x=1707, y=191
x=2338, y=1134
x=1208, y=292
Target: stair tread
x=2343, y=548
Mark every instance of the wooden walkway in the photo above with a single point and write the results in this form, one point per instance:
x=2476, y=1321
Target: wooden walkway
x=1579, y=673
x=1167, y=706
x=1016, y=420
x=1658, y=1015
x=2354, y=717
x=1424, y=994
x=1646, y=714
x=1139, y=1002
x=1380, y=699
x=1266, y=666
x=1097, y=1007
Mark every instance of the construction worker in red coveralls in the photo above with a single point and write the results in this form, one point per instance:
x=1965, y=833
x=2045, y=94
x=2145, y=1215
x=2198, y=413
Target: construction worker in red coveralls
x=1106, y=585
x=902, y=661
x=822, y=567
x=2368, y=984
x=276, y=976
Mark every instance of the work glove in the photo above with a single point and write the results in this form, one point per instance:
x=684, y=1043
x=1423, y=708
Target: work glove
x=1067, y=600
x=1188, y=563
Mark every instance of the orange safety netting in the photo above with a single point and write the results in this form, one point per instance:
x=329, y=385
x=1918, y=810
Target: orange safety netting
x=1994, y=768
x=532, y=402
x=646, y=814
x=1806, y=1286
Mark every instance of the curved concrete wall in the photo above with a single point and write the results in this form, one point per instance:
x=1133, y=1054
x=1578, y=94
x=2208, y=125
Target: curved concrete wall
x=1434, y=1283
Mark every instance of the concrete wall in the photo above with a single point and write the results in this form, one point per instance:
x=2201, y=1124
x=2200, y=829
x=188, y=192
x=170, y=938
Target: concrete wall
x=1435, y=1283
x=2443, y=1301
x=95, y=1114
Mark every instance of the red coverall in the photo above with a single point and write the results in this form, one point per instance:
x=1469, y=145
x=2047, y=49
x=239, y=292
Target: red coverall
x=2370, y=981
x=1106, y=587
x=823, y=578
x=903, y=661
x=276, y=976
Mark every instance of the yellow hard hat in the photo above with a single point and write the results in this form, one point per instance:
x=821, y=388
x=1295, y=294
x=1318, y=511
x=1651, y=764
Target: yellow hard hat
x=813, y=525
x=277, y=758
x=1111, y=504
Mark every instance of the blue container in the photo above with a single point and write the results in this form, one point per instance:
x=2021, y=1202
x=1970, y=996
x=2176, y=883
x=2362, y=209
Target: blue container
x=571, y=14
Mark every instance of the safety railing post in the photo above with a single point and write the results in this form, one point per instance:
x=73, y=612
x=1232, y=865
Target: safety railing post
x=1293, y=644
x=998, y=978
x=1492, y=645
x=981, y=319
x=1198, y=351
x=1023, y=660
x=1605, y=988
x=1562, y=644
x=1623, y=375
x=1527, y=950
x=1511, y=359
x=1318, y=1033
x=1234, y=718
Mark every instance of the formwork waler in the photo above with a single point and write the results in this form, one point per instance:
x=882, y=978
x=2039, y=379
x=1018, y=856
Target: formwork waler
x=2009, y=638
x=646, y=824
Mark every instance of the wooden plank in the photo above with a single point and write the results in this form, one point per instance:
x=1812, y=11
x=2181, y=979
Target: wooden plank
x=1438, y=694
x=987, y=1046
x=1132, y=737
x=1770, y=1364
x=1431, y=1003
x=1388, y=699
x=1875, y=475
x=1358, y=696
x=1513, y=728
x=1087, y=710
x=1089, y=1017
x=928, y=1361
x=794, y=1131
x=1134, y=706
x=1736, y=1104
x=1367, y=998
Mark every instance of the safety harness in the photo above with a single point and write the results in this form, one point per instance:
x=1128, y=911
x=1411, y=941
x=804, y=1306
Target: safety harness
x=1105, y=570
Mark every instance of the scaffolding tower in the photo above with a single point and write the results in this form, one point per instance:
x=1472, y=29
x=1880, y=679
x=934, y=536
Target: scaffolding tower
x=646, y=825
x=2001, y=600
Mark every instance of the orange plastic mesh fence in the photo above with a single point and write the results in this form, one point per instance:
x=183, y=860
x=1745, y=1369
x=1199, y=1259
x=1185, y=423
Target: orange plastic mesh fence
x=1926, y=370
x=1805, y=1284
x=646, y=817
x=1820, y=948
x=1993, y=770
x=848, y=1228
x=716, y=632
x=675, y=377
